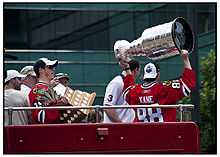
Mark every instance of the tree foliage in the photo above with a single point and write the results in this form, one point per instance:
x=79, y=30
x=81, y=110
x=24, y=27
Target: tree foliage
x=208, y=108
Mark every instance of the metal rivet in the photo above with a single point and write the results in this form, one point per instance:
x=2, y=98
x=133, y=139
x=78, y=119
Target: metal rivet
x=179, y=136
x=81, y=139
x=20, y=140
x=122, y=138
x=101, y=138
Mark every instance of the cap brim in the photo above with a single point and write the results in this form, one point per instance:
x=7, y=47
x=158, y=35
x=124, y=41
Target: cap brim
x=33, y=74
x=21, y=75
x=52, y=63
x=59, y=77
x=150, y=76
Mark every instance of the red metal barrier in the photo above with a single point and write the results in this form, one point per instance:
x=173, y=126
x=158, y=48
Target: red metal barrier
x=103, y=138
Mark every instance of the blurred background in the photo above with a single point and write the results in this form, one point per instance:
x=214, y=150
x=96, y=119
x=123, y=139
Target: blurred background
x=81, y=36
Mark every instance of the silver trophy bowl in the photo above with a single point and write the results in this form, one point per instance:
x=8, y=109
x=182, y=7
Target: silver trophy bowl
x=158, y=42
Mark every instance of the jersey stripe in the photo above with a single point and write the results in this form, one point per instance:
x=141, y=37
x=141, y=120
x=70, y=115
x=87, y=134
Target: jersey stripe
x=148, y=85
x=125, y=92
x=41, y=116
x=185, y=89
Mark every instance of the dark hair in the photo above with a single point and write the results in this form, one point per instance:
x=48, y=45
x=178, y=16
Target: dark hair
x=157, y=66
x=149, y=79
x=37, y=65
x=134, y=64
x=158, y=70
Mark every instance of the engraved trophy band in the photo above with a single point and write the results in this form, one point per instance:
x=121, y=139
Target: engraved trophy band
x=158, y=42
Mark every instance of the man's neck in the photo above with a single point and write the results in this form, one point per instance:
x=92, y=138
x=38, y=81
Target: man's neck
x=44, y=80
x=124, y=73
x=27, y=83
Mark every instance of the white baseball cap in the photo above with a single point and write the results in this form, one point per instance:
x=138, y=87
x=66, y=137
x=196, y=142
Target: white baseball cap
x=13, y=74
x=49, y=62
x=28, y=70
x=62, y=75
x=121, y=45
x=150, y=71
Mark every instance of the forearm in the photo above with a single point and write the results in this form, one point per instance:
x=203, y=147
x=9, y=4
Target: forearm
x=113, y=116
x=187, y=64
x=186, y=61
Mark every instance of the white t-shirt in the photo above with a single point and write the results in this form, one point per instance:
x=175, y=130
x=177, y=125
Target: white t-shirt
x=114, y=96
x=25, y=90
x=14, y=98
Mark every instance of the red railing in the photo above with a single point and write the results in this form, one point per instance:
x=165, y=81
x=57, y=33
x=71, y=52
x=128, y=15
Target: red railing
x=166, y=137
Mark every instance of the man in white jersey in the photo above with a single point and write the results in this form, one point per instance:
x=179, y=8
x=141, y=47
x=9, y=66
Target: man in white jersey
x=114, y=96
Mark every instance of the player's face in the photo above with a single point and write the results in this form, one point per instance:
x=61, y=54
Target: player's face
x=32, y=79
x=137, y=72
x=17, y=83
x=50, y=72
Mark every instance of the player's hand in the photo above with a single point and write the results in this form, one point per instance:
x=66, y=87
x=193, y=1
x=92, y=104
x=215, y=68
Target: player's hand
x=64, y=100
x=54, y=82
x=184, y=54
x=61, y=101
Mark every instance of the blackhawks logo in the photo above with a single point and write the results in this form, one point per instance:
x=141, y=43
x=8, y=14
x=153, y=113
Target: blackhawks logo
x=39, y=91
x=167, y=83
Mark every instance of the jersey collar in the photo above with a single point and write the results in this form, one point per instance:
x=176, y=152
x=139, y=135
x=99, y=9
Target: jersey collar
x=146, y=85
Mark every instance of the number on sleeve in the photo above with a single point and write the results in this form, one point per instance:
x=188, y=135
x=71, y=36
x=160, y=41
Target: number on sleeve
x=110, y=97
x=176, y=85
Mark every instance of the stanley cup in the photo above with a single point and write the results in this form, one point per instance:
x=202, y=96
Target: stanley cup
x=158, y=42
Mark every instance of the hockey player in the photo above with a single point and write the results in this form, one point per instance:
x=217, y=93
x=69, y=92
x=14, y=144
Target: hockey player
x=42, y=94
x=152, y=91
x=113, y=96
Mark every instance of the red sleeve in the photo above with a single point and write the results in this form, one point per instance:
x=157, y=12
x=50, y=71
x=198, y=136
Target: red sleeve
x=189, y=78
x=133, y=96
x=128, y=81
x=170, y=93
x=128, y=85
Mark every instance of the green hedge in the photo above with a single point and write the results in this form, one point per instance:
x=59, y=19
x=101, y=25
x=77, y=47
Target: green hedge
x=208, y=106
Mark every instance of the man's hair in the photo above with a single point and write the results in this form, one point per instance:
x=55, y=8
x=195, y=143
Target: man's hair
x=39, y=64
x=134, y=64
x=157, y=69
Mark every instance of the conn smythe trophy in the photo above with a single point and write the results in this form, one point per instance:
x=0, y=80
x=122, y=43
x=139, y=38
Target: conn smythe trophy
x=158, y=42
x=75, y=98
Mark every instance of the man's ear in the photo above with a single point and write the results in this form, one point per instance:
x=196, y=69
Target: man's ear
x=142, y=77
x=40, y=70
x=158, y=76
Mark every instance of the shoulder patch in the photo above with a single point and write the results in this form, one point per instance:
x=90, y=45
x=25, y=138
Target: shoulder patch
x=39, y=91
x=172, y=83
x=167, y=83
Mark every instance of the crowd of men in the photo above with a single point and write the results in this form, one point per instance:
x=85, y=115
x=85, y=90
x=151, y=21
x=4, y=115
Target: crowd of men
x=34, y=86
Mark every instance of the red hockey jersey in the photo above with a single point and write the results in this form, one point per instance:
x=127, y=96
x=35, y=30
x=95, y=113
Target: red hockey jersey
x=42, y=95
x=166, y=93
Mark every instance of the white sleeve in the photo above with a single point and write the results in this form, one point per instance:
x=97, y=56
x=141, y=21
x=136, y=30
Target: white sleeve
x=112, y=93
